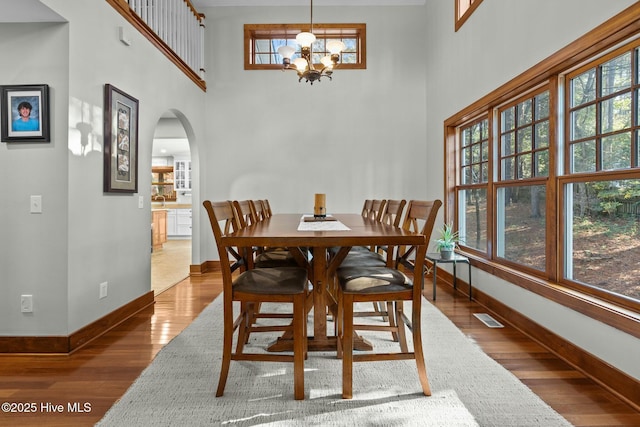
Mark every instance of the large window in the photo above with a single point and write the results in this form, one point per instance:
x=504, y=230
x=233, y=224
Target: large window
x=547, y=180
x=261, y=43
x=602, y=207
x=523, y=151
x=602, y=232
x=474, y=176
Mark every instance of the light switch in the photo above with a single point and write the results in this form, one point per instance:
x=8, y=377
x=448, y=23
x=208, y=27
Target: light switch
x=36, y=204
x=140, y=202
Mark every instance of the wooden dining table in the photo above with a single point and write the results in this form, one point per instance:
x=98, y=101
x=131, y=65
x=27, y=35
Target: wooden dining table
x=311, y=250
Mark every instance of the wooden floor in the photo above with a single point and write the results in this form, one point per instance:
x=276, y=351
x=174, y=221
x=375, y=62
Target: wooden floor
x=92, y=379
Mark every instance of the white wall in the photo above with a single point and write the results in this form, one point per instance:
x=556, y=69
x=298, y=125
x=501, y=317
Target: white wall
x=502, y=39
x=361, y=135
x=33, y=247
x=84, y=237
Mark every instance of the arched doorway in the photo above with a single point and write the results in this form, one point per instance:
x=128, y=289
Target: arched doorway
x=171, y=203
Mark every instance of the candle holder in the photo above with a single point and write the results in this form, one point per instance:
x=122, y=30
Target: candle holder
x=320, y=208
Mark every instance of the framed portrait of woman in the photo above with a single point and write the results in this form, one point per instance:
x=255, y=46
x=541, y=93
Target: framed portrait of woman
x=24, y=113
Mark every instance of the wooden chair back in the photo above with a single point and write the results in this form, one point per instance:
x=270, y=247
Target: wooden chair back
x=246, y=215
x=267, y=208
x=224, y=213
x=258, y=212
x=392, y=214
x=366, y=208
x=377, y=207
x=420, y=218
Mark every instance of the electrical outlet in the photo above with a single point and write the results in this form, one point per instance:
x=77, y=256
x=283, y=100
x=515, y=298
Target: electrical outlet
x=103, y=289
x=26, y=303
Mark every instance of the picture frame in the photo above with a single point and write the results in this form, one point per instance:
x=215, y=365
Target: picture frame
x=24, y=111
x=120, y=141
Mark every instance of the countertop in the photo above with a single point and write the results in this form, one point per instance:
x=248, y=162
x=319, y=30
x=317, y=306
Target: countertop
x=169, y=205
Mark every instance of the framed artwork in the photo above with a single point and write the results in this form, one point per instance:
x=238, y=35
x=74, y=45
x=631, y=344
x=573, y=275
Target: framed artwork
x=25, y=113
x=120, y=141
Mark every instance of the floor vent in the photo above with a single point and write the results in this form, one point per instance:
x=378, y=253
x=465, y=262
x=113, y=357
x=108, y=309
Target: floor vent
x=488, y=320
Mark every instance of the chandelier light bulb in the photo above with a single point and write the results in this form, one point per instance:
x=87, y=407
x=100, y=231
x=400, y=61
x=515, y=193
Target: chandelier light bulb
x=301, y=64
x=335, y=46
x=305, y=39
x=286, y=51
x=326, y=61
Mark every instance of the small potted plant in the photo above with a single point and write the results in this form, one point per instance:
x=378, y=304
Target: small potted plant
x=448, y=241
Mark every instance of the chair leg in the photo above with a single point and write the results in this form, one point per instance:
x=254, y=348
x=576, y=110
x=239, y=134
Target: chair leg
x=339, y=326
x=226, y=348
x=417, y=350
x=398, y=315
x=347, y=347
x=392, y=319
x=243, y=327
x=299, y=345
x=252, y=314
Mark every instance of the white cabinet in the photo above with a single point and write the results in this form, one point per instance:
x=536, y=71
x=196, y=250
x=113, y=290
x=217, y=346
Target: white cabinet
x=179, y=222
x=183, y=226
x=182, y=175
x=171, y=222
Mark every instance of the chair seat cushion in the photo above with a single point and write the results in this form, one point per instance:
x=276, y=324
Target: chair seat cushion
x=372, y=280
x=267, y=281
x=363, y=259
x=333, y=250
x=275, y=258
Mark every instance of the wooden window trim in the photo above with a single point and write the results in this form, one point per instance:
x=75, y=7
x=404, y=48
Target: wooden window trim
x=460, y=20
x=621, y=28
x=359, y=30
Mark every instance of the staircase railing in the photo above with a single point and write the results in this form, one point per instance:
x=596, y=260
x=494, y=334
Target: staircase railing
x=174, y=27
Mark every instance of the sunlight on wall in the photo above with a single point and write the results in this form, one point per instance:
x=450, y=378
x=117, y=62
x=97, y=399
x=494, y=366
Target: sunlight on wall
x=85, y=127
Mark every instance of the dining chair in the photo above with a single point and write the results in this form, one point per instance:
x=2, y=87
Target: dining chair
x=278, y=284
x=381, y=256
x=246, y=213
x=258, y=257
x=366, y=208
x=376, y=209
x=392, y=215
x=267, y=208
x=372, y=284
x=258, y=209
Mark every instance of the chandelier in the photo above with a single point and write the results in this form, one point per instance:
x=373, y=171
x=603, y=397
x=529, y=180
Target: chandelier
x=304, y=64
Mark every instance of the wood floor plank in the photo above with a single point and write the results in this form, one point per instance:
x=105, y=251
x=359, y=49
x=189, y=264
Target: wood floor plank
x=101, y=372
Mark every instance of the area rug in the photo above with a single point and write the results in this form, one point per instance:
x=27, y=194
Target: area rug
x=468, y=387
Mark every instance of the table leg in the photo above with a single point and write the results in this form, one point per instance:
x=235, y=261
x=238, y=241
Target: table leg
x=320, y=341
x=319, y=298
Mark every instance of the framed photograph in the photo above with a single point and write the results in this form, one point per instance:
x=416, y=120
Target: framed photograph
x=25, y=113
x=120, y=141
